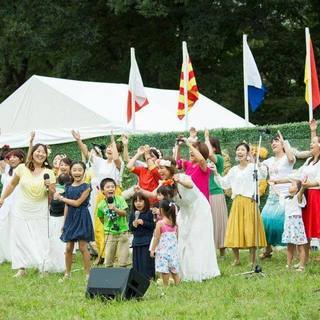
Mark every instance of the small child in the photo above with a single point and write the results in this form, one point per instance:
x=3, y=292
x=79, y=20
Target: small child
x=112, y=214
x=163, y=192
x=77, y=221
x=294, y=232
x=165, y=243
x=141, y=224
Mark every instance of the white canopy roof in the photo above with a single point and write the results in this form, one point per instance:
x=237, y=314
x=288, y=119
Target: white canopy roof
x=53, y=107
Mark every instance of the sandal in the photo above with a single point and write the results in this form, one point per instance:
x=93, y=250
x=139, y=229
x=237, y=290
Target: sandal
x=265, y=255
x=300, y=269
x=66, y=277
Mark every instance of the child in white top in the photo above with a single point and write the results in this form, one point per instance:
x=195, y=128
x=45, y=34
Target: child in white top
x=294, y=232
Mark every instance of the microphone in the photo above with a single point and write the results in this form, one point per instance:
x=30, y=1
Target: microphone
x=136, y=215
x=110, y=200
x=46, y=177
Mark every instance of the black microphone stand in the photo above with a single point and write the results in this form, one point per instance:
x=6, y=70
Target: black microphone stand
x=256, y=268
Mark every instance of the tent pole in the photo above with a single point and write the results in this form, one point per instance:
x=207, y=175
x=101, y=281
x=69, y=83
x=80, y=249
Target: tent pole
x=133, y=109
x=185, y=83
x=245, y=82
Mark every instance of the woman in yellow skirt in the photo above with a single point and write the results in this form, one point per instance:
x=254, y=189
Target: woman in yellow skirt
x=241, y=228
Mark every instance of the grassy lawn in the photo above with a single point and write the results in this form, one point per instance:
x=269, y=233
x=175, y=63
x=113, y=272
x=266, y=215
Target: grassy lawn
x=282, y=294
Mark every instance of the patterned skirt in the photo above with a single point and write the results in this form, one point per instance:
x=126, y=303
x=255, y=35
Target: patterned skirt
x=294, y=232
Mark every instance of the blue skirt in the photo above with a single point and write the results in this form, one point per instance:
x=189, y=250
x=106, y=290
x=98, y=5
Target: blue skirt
x=78, y=225
x=273, y=220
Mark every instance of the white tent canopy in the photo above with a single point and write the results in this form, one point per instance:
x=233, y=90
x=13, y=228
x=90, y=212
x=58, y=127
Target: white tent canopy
x=53, y=107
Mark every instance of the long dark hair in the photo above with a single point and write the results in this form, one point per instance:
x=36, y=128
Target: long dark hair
x=30, y=164
x=215, y=143
x=166, y=191
x=169, y=209
x=139, y=195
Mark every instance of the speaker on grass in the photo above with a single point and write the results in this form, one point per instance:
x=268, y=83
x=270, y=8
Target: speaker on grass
x=113, y=283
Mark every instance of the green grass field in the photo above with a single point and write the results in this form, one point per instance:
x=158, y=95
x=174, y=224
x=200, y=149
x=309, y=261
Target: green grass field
x=282, y=294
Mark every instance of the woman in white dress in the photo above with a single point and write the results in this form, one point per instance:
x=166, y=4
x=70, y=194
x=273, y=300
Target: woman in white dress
x=12, y=160
x=30, y=241
x=197, y=252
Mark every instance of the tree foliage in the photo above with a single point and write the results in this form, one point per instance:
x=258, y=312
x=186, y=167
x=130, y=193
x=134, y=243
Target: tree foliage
x=90, y=40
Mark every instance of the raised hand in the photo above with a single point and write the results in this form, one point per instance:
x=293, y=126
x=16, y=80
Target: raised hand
x=124, y=139
x=280, y=137
x=76, y=135
x=141, y=150
x=32, y=135
x=206, y=134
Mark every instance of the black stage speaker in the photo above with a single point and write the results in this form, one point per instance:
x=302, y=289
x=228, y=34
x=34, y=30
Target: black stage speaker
x=113, y=283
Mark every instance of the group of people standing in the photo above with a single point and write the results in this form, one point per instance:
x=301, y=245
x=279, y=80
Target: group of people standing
x=178, y=218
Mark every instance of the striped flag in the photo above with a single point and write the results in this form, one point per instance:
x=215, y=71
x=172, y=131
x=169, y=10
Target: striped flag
x=310, y=75
x=192, y=88
x=136, y=93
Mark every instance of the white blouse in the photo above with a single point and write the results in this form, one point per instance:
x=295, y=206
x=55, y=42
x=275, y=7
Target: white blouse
x=278, y=169
x=241, y=181
x=310, y=171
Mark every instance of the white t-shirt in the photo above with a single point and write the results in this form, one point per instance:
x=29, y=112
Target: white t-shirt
x=103, y=169
x=292, y=207
x=279, y=168
x=310, y=171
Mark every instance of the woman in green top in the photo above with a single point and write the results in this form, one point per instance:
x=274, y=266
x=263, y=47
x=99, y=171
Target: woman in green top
x=217, y=199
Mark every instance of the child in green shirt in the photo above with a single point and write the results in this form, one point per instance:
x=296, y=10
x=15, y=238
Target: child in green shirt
x=112, y=214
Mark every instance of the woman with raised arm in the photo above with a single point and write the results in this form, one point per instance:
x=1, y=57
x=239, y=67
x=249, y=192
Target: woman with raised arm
x=217, y=198
x=111, y=167
x=30, y=239
x=244, y=229
x=11, y=160
x=279, y=166
x=197, y=253
x=196, y=167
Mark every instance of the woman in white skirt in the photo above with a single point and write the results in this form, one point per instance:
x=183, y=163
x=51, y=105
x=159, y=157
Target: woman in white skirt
x=11, y=161
x=30, y=241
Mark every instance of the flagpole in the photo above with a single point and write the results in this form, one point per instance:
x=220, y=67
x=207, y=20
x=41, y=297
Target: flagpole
x=245, y=82
x=133, y=109
x=308, y=65
x=185, y=82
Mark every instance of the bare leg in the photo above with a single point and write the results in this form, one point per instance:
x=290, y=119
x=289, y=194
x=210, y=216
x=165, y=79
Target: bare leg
x=302, y=255
x=290, y=253
x=252, y=256
x=222, y=252
x=83, y=247
x=68, y=256
x=236, y=256
x=307, y=251
x=165, y=278
x=176, y=278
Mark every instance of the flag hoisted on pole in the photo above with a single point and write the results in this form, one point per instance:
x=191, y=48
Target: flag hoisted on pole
x=312, y=94
x=254, y=90
x=137, y=98
x=188, y=91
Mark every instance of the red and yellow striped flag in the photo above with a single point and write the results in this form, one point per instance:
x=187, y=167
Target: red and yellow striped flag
x=192, y=88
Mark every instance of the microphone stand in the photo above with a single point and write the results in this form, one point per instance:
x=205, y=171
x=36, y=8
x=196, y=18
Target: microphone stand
x=256, y=268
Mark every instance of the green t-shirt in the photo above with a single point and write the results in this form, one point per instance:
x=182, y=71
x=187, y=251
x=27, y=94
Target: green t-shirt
x=113, y=226
x=214, y=188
